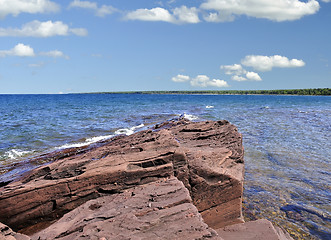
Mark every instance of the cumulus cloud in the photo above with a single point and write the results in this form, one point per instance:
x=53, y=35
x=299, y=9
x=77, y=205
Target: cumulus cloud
x=239, y=73
x=99, y=11
x=22, y=50
x=266, y=63
x=259, y=63
x=180, y=78
x=19, y=50
x=42, y=29
x=253, y=76
x=276, y=10
x=236, y=69
x=179, y=15
x=154, y=14
x=184, y=14
x=200, y=81
x=218, y=17
x=205, y=81
x=15, y=7
x=238, y=78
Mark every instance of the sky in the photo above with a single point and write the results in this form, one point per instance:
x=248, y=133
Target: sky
x=50, y=47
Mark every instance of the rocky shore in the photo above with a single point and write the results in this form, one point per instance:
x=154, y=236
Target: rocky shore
x=179, y=180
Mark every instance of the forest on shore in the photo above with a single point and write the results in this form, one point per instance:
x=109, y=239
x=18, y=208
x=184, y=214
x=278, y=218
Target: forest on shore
x=314, y=91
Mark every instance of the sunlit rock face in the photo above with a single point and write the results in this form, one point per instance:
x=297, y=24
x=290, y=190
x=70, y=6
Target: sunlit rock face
x=205, y=157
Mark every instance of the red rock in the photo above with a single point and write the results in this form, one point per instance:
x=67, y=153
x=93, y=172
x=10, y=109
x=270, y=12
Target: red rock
x=206, y=156
x=159, y=210
x=7, y=234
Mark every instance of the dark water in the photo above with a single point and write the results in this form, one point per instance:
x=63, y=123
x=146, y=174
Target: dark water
x=287, y=142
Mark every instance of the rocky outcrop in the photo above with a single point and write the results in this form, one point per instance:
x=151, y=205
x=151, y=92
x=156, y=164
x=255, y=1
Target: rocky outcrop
x=206, y=156
x=6, y=233
x=179, y=180
x=157, y=210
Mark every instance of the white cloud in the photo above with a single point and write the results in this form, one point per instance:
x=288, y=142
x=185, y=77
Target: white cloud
x=19, y=50
x=154, y=14
x=22, y=50
x=200, y=81
x=42, y=29
x=15, y=7
x=253, y=76
x=54, y=54
x=180, y=78
x=179, y=15
x=275, y=10
x=204, y=81
x=99, y=11
x=238, y=78
x=218, y=17
x=326, y=1
x=186, y=15
x=236, y=69
x=266, y=63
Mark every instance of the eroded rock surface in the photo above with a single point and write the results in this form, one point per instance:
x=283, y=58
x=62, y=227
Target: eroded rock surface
x=6, y=233
x=206, y=156
x=158, y=210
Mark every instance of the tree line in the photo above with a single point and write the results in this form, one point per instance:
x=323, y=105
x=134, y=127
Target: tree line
x=314, y=91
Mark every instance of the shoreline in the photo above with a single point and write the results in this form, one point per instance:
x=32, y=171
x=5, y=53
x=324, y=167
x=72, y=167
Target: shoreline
x=275, y=92
x=168, y=152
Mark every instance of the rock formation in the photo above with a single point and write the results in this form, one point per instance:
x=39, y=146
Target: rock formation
x=157, y=210
x=158, y=181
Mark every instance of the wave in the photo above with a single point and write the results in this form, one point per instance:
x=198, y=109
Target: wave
x=189, y=117
x=128, y=131
x=209, y=106
x=16, y=153
x=88, y=141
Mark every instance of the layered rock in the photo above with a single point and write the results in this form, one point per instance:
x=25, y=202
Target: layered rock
x=206, y=156
x=157, y=210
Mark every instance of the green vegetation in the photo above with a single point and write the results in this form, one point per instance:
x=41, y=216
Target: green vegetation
x=316, y=91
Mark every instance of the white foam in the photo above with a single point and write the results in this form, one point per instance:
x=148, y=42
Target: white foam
x=88, y=141
x=128, y=131
x=209, y=106
x=16, y=153
x=190, y=117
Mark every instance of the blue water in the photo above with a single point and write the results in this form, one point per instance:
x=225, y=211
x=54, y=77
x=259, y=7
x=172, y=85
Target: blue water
x=287, y=142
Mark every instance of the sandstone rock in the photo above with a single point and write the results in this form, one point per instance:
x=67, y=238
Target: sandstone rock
x=215, y=159
x=206, y=156
x=158, y=210
x=7, y=234
x=255, y=230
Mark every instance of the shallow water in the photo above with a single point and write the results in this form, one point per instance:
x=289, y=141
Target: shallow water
x=287, y=142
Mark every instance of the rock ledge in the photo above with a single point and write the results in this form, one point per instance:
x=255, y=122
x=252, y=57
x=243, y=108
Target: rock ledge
x=179, y=180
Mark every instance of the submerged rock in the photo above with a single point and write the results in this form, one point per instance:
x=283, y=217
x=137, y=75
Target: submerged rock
x=255, y=230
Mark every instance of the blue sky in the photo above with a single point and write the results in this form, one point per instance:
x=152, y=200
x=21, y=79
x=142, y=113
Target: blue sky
x=49, y=46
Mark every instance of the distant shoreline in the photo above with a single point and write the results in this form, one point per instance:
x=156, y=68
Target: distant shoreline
x=305, y=92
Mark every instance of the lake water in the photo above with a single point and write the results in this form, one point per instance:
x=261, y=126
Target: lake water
x=287, y=141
